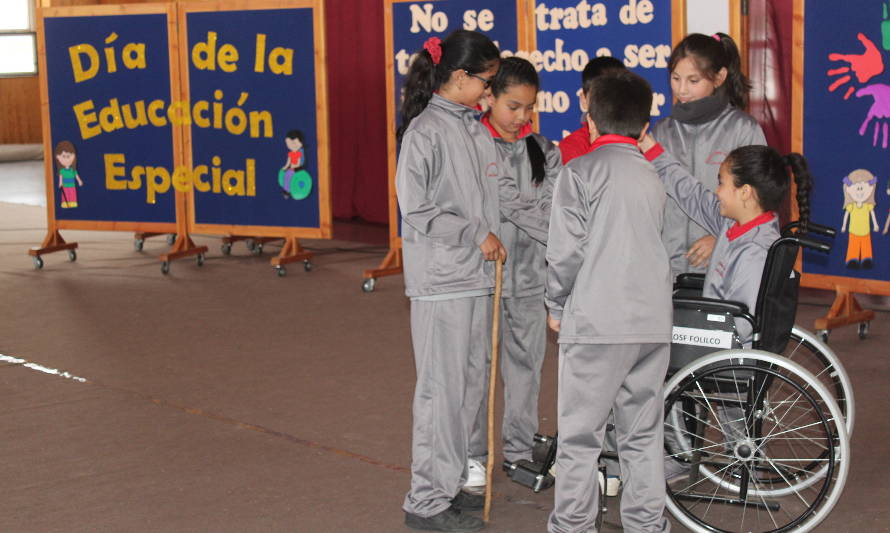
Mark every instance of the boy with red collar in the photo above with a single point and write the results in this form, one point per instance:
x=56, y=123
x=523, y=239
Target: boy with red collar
x=577, y=143
x=608, y=293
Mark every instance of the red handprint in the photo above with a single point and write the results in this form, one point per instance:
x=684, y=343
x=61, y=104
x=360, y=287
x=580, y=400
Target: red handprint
x=866, y=65
x=879, y=111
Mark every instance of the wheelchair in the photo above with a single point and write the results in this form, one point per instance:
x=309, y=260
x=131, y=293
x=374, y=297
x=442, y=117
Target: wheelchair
x=762, y=432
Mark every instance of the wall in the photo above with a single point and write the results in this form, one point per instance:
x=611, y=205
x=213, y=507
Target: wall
x=20, y=102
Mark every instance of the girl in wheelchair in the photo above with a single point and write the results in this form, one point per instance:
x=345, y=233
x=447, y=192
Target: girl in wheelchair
x=741, y=213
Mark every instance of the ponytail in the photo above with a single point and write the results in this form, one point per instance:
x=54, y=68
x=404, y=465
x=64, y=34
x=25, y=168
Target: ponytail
x=536, y=158
x=461, y=50
x=804, y=182
x=420, y=83
x=737, y=84
x=710, y=54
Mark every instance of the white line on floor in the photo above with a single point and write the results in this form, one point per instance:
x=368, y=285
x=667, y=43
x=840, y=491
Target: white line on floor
x=40, y=368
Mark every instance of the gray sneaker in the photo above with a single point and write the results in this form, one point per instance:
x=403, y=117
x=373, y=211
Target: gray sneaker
x=464, y=501
x=674, y=470
x=448, y=520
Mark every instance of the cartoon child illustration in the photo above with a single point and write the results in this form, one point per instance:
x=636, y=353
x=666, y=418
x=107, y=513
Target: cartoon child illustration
x=859, y=206
x=293, y=179
x=68, y=176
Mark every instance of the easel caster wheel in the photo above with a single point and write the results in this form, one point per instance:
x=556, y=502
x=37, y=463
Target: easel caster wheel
x=257, y=249
x=138, y=244
x=72, y=255
x=165, y=267
x=368, y=285
x=863, y=330
x=38, y=262
x=281, y=271
x=171, y=238
x=226, y=248
x=307, y=266
x=199, y=259
x=823, y=334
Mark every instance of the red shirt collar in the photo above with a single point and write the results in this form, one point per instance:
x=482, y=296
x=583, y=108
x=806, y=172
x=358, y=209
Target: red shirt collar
x=611, y=138
x=525, y=130
x=738, y=230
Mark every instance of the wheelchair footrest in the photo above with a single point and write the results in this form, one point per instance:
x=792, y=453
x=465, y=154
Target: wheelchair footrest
x=530, y=474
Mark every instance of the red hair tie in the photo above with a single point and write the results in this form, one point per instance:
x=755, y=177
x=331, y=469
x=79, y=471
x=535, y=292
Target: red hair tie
x=716, y=36
x=433, y=45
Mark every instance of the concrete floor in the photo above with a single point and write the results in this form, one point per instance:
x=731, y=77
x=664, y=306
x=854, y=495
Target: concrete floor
x=226, y=399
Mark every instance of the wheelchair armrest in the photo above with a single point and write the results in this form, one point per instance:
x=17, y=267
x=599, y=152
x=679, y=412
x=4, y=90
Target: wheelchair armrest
x=713, y=305
x=690, y=280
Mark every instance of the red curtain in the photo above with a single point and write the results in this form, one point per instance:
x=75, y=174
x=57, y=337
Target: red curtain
x=769, y=66
x=357, y=107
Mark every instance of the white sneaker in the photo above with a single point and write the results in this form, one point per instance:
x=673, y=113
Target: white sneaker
x=475, y=474
x=612, y=483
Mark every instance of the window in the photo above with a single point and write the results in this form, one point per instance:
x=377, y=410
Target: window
x=18, y=42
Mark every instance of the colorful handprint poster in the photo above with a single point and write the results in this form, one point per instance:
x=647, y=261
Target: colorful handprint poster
x=846, y=133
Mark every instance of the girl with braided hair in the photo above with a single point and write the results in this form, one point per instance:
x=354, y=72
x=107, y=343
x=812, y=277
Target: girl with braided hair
x=741, y=213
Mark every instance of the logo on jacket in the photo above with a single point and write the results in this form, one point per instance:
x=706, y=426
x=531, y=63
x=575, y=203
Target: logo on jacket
x=492, y=170
x=716, y=158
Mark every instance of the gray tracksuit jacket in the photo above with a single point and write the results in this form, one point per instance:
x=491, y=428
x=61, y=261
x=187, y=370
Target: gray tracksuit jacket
x=525, y=215
x=608, y=277
x=701, y=148
x=736, y=266
x=446, y=183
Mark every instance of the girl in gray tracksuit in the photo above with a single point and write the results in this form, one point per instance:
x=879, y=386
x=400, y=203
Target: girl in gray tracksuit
x=532, y=164
x=742, y=213
x=753, y=182
x=446, y=182
x=705, y=124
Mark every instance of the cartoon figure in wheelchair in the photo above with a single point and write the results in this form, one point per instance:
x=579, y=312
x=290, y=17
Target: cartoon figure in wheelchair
x=757, y=411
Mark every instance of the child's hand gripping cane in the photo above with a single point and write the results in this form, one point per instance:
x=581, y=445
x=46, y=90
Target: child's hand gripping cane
x=492, y=380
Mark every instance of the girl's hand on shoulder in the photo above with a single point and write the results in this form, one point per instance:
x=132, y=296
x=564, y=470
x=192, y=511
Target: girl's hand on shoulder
x=700, y=252
x=646, y=143
x=492, y=248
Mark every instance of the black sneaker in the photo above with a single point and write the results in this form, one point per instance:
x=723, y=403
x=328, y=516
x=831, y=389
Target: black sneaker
x=448, y=520
x=464, y=501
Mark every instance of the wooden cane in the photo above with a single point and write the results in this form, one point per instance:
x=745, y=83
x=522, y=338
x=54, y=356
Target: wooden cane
x=492, y=381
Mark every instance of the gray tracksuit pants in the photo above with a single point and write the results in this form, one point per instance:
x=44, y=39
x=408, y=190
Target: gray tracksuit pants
x=452, y=343
x=594, y=378
x=522, y=346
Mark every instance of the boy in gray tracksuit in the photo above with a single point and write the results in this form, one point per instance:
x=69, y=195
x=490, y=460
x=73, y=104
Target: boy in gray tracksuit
x=609, y=295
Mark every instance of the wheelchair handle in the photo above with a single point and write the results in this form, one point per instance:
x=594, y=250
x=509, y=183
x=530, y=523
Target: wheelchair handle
x=812, y=227
x=814, y=244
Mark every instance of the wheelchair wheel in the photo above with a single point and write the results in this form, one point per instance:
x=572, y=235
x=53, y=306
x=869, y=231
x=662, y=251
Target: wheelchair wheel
x=764, y=440
x=807, y=350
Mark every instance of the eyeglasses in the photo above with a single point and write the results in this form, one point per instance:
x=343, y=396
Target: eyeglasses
x=486, y=82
